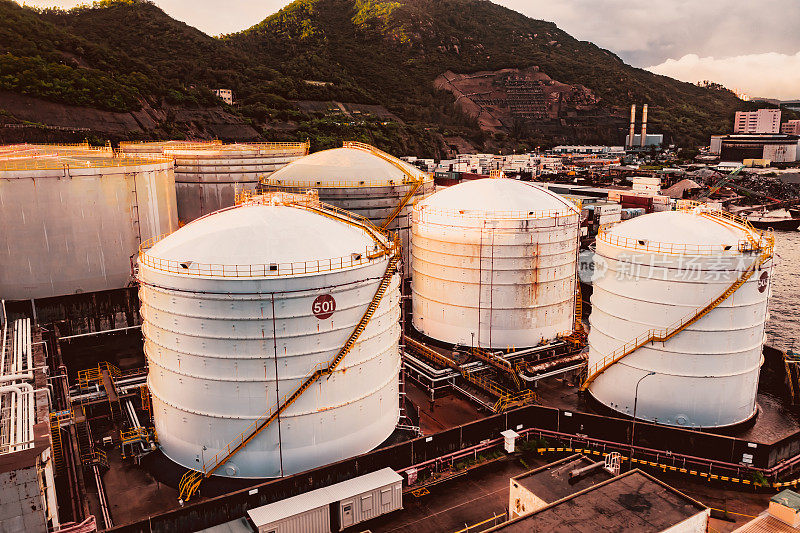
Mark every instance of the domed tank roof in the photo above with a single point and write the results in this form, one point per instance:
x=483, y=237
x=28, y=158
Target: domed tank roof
x=348, y=165
x=498, y=195
x=683, y=227
x=261, y=234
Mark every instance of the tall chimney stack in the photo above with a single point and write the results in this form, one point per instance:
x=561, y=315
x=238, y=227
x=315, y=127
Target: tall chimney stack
x=633, y=126
x=644, y=126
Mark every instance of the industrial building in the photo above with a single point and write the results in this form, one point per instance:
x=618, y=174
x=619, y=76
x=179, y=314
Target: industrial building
x=28, y=500
x=476, y=247
x=791, y=127
x=209, y=174
x=542, y=486
x=664, y=311
x=651, y=139
x=782, y=515
x=634, y=501
x=777, y=148
x=641, y=140
x=362, y=180
x=73, y=218
x=761, y=121
x=224, y=330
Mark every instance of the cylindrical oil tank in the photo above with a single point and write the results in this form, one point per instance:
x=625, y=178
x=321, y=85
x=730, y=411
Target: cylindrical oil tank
x=363, y=180
x=71, y=224
x=494, y=264
x=655, y=270
x=207, y=178
x=239, y=308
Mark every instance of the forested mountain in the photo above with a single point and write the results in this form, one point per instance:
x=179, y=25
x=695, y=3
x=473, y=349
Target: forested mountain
x=383, y=72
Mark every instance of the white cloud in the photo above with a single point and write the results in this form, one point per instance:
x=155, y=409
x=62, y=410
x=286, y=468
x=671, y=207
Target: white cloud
x=647, y=33
x=770, y=75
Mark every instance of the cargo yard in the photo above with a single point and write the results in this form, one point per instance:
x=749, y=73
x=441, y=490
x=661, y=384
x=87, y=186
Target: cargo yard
x=245, y=337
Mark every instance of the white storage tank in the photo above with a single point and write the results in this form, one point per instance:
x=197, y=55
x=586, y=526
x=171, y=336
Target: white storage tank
x=73, y=223
x=494, y=264
x=361, y=179
x=240, y=307
x=207, y=178
x=652, y=272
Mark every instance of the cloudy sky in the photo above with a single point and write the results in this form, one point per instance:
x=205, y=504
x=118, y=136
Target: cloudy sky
x=750, y=45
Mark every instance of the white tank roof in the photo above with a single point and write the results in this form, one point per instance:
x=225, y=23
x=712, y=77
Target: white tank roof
x=498, y=195
x=679, y=227
x=350, y=165
x=262, y=234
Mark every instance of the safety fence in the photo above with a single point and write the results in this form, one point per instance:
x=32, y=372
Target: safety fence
x=711, y=456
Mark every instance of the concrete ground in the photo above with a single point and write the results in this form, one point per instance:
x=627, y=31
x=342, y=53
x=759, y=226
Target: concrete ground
x=133, y=493
x=454, y=505
x=448, y=411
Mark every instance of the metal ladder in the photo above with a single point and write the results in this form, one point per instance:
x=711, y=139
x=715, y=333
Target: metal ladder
x=404, y=202
x=56, y=420
x=662, y=335
x=191, y=480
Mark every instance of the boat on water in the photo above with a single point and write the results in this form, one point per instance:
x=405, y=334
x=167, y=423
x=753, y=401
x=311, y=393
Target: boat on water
x=778, y=219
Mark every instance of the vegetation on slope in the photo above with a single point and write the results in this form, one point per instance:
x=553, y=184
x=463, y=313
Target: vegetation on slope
x=121, y=54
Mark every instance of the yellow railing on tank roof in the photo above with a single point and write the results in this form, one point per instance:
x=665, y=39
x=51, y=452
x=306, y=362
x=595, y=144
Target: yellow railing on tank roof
x=334, y=184
x=74, y=162
x=389, y=158
x=755, y=241
x=422, y=209
x=383, y=245
x=301, y=148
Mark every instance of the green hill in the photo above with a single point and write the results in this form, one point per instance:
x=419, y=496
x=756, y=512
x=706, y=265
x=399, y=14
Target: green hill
x=128, y=55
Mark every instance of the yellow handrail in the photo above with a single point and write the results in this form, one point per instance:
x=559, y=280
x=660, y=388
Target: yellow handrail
x=392, y=160
x=190, y=268
x=420, y=210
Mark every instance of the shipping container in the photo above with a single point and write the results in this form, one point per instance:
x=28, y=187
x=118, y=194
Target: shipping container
x=332, y=508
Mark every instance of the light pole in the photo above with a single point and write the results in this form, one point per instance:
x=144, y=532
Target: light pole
x=635, y=401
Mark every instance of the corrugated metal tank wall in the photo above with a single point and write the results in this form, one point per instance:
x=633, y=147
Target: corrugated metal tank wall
x=75, y=225
x=494, y=264
x=207, y=180
x=653, y=271
x=225, y=346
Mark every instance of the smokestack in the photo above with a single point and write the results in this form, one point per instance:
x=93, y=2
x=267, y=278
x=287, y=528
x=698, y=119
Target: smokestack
x=633, y=125
x=644, y=125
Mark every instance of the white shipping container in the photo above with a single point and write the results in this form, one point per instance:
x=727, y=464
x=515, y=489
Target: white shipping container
x=607, y=209
x=355, y=500
x=609, y=219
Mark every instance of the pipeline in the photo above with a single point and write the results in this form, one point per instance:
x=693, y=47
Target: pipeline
x=530, y=371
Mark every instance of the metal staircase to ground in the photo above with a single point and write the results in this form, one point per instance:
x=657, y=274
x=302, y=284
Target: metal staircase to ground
x=662, y=335
x=191, y=480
